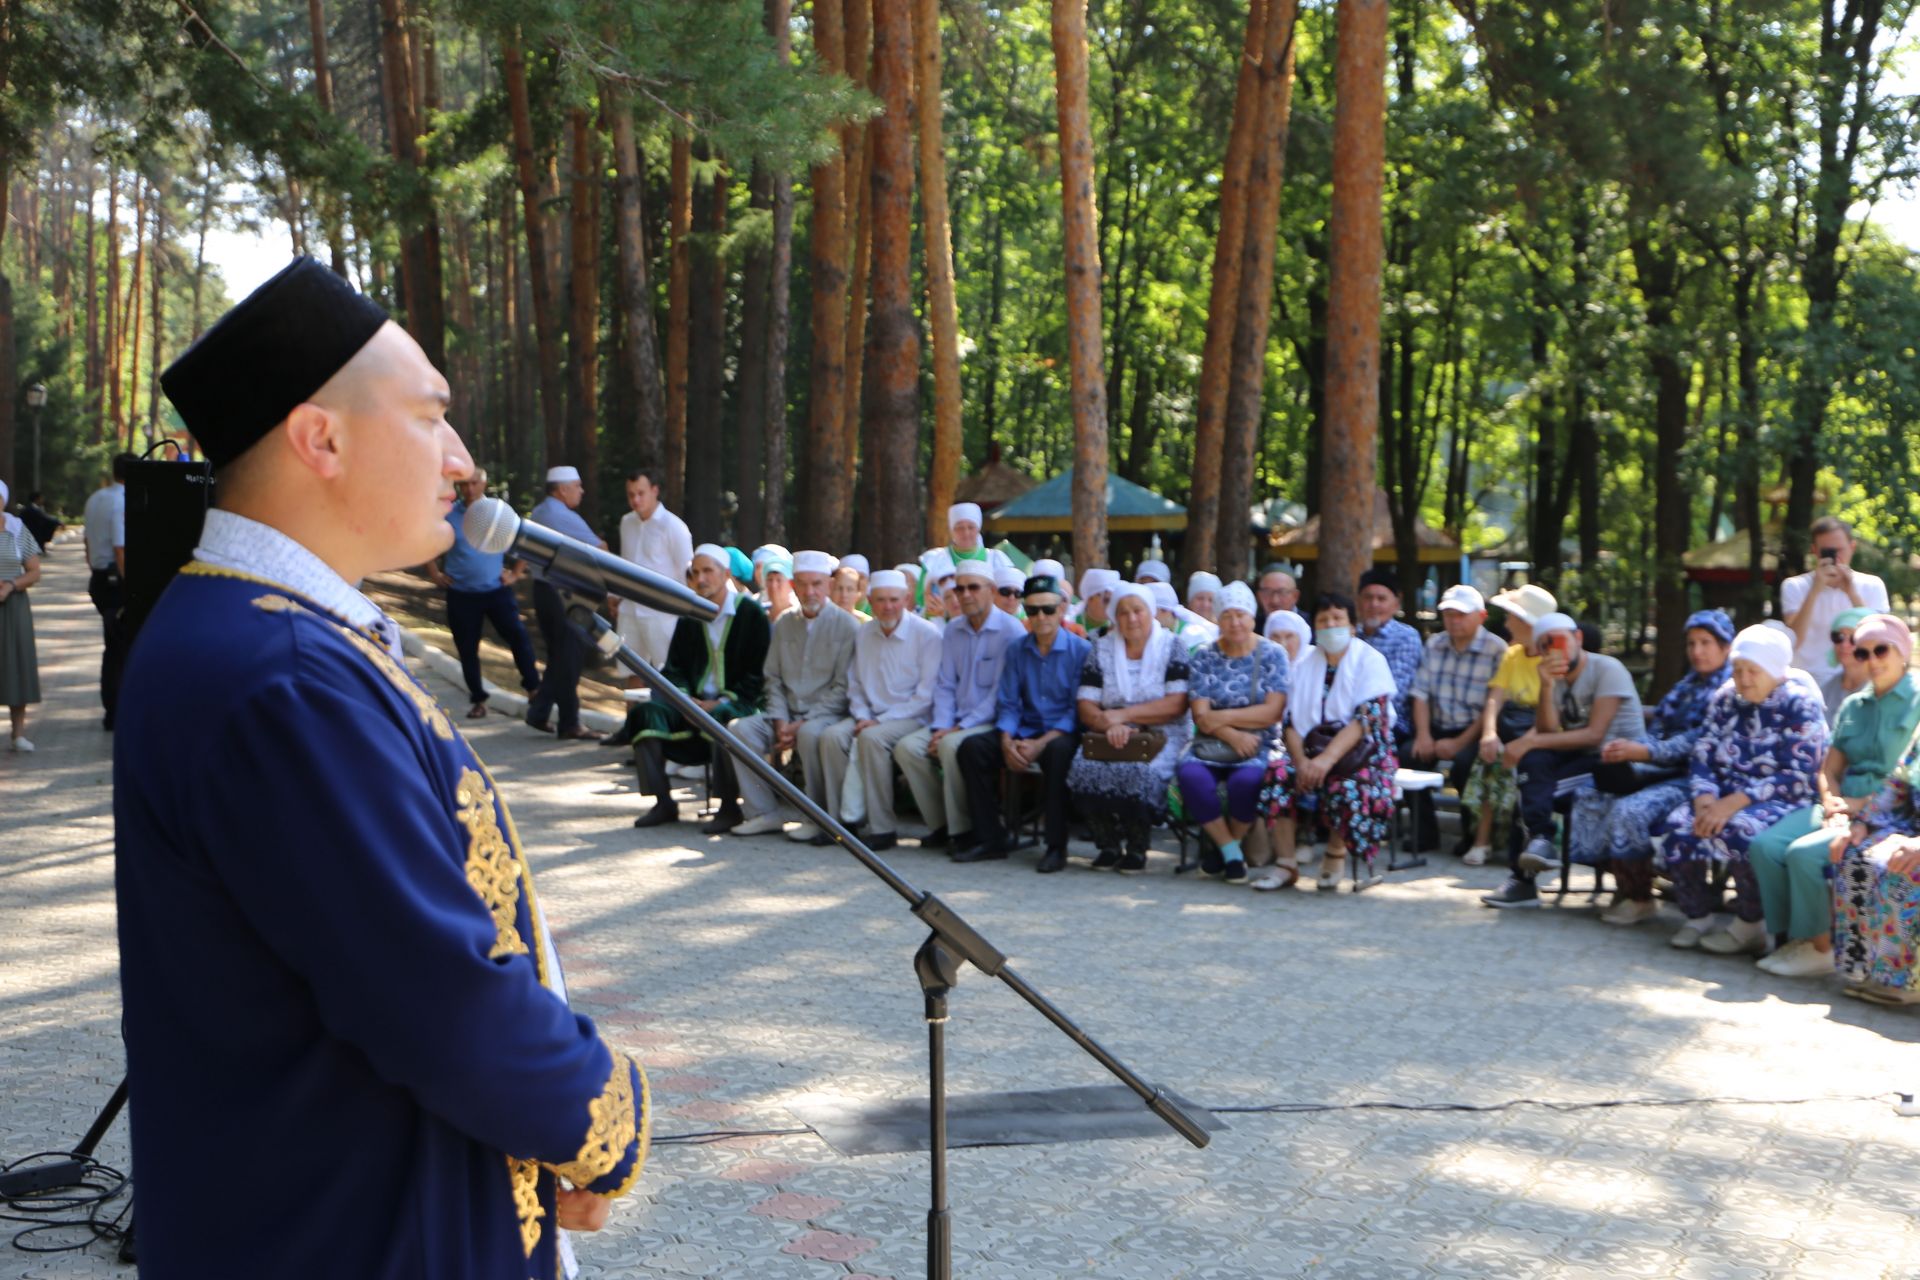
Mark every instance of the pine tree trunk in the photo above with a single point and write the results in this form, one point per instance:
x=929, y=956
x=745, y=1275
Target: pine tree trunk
x=583, y=326
x=1082, y=245
x=1657, y=272
x=750, y=380
x=158, y=307
x=94, y=361
x=706, y=360
x=1247, y=381
x=891, y=392
x=861, y=439
x=679, y=291
x=111, y=343
x=826, y=480
x=323, y=89
x=1223, y=305
x=779, y=305
x=640, y=345
x=1353, y=301
x=420, y=273
x=546, y=316
x=937, y=235
x=131, y=316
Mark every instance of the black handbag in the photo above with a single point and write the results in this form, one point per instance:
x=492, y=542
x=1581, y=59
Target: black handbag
x=1211, y=750
x=1624, y=777
x=1358, y=757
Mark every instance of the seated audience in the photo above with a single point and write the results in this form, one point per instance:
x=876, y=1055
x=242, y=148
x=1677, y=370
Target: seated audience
x=889, y=695
x=1876, y=930
x=966, y=540
x=1755, y=762
x=1036, y=724
x=848, y=589
x=776, y=573
x=936, y=581
x=1096, y=588
x=1203, y=595
x=1188, y=627
x=1236, y=690
x=1586, y=701
x=1338, y=764
x=1133, y=682
x=1449, y=693
x=1153, y=571
x=1398, y=643
x=1277, y=591
x=1008, y=583
x=1512, y=696
x=1612, y=825
x=1286, y=628
x=1790, y=857
x=1852, y=675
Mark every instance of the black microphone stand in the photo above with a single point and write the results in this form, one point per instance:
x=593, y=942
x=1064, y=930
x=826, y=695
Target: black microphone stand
x=951, y=943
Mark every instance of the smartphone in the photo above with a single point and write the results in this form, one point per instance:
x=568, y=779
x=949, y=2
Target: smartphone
x=1830, y=553
x=1557, y=642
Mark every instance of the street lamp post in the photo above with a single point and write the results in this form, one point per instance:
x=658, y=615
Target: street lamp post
x=36, y=401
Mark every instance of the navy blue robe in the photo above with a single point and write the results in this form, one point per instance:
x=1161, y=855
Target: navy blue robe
x=345, y=1049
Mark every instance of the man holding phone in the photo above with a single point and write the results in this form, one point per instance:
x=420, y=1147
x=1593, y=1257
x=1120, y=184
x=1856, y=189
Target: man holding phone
x=1810, y=602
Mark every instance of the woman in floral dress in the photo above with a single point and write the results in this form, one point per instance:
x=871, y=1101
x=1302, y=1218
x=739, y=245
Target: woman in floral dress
x=1347, y=688
x=1876, y=891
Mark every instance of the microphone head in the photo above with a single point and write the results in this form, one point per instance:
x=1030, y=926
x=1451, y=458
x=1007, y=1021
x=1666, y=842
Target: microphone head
x=490, y=525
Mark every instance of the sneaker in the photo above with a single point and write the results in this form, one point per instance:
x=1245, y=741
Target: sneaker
x=1798, y=960
x=22, y=745
x=1539, y=855
x=803, y=833
x=1476, y=856
x=1516, y=892
x=1627, y=911
x=1742, y=937
x=1235, y=870
x=1107, y=861
x=763, y=824
x=1275, y=877
x=1691, y=932
x=1132, y=861
x=1052, y=860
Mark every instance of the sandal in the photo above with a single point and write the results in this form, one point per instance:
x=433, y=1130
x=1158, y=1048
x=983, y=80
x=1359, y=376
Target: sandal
x=1330, y=869
x=1278, y=876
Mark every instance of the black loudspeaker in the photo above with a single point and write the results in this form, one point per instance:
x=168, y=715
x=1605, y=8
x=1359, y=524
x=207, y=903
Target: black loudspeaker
x=166, y=505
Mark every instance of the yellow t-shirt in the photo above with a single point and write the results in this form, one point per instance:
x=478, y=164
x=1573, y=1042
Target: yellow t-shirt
x=1518, y=676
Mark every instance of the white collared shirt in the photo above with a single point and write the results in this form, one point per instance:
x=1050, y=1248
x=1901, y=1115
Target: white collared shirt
x=893, y=673
x=662, y=544
x=230, y=541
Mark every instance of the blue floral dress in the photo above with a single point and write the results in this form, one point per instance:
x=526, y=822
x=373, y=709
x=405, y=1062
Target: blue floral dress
x=1769, y=751
x=1606, y=828
x=1229, y=683
x=1876, y=913
x=1359, y=807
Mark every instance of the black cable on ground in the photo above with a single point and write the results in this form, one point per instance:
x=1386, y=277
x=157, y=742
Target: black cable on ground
x=1303, y=1108
x=80, y=1207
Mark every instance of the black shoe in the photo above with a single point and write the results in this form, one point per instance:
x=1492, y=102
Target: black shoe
x=935, y=839
x=881, y=843
x=1516, y=892
x=729, y=817
x=663, y=812
x=535, y=724
x=1132, y=861
x=625, y=734
x=822, y=840
x=1052, y=860
x=106, y=724
x=1107, y=861
x=1235, y=870
x=987, y=851
x=1212, y=863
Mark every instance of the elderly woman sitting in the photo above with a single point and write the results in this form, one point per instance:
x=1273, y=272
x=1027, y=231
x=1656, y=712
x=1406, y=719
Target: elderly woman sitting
x=1189, y=628
x=1612, y=826
x=1133, y=683
x=1762, y=742
x=1238, y=689
x=1203, y=596
x=1339, y=761
x=1853, y=671
x=1286, y=628
x=1790, y=858
x=1876, y=891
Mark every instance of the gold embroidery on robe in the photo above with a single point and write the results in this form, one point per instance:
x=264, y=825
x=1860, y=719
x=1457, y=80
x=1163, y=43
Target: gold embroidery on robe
x=492, y=869
x=525, y=1175
x=274, y=604
x=610, y=1129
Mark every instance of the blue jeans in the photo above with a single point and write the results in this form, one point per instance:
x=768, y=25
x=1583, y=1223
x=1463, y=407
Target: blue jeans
x=467, y=614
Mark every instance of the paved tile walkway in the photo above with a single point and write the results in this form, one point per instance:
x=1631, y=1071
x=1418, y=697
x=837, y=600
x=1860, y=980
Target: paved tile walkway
x=747, y=972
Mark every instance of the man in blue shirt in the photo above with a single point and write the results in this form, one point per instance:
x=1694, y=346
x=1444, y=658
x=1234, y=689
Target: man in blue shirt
x=1398, y=643
x=566, y=651
x=479, y=590
x=1036, y=722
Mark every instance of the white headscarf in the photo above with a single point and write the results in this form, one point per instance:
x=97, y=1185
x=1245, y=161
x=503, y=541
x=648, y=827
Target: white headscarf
x=857, y=563
x=1203, y=583
x=1152, y=659
x=1235, y=595
x=1289, y=620
x=1162, y=596
x=1362, y=676
x=1764, y=648
x=963, y=511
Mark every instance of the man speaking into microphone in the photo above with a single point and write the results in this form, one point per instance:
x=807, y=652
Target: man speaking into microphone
x=348, y=1043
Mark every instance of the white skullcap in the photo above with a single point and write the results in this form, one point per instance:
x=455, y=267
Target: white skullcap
x=1161, y=593
x=939, y=563
x=1202, y=582
x=714, y=553
x=1008, y=576
x=857, y=563
x=814, y=562
x=883, y=579
x=1153, y=571
x=1235, y=595
x=1765, y=648
x=963, y=511
x=762, y=552
x=561, y=475
x=975, y=567
x=1288, y=620
x=1049, y=569
x=1553, y=622
x=909, y=570
x=1097, y=582
x=1126, y=590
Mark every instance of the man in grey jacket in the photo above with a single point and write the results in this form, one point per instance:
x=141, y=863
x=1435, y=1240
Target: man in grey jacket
x=806, y=671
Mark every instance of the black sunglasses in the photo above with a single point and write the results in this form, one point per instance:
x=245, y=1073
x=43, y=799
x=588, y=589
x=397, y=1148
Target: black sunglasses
x=1048, y=609
x=1878, y=651
x=1840, y=637
x=1009, y=591
x=965, y=588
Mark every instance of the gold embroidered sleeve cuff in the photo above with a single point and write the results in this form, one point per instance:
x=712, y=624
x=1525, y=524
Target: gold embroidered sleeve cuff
x=619, y=1130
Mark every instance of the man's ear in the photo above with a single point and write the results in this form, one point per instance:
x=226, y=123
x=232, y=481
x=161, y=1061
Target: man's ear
x=313, y=437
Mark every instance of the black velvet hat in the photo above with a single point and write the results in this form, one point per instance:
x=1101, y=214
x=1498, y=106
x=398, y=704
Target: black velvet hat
x=265, y=357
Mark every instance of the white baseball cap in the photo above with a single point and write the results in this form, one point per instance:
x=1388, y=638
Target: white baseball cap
x=1462, y=599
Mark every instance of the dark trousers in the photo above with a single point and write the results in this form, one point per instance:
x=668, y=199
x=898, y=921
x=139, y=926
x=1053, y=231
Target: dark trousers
x=104, y=589
x=566, y=656
x=980, y=765
x=467, y=614
x=1544, y=776
x=1426, y=822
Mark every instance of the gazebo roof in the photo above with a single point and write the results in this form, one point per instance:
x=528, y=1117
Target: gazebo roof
x=992, y=486
x=1303, y=543
x=1049, y=508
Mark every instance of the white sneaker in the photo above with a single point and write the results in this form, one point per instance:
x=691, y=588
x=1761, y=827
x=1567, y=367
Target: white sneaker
x=1798, y=960
x=1476, y=856
x=1742, y=937
x=764, y=824
x=802, y=833
x=1691, y=932
x=23, y=745
x=1627, y=911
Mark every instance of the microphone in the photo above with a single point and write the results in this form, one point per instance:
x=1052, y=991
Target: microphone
x=569, y=564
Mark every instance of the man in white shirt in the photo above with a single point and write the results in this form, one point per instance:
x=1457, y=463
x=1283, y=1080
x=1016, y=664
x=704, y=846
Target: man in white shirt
x=653, y=538
x=1809, y=602
x=890, y=695
x=106, y=540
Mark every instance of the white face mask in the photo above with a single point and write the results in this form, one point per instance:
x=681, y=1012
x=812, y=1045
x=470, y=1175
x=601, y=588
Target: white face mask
x=1334, y=640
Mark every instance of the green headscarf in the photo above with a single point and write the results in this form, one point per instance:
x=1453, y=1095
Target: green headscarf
x=1847, y=622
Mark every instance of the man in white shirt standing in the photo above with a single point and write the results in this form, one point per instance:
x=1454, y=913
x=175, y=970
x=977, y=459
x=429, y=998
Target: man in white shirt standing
x=889, y=694
x=106, y=538
x=1809, y=602
x=653, y=538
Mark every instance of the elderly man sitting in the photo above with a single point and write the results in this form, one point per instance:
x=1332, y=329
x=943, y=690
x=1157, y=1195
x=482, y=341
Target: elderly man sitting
x=1398, y=643
x=890, y=695
x=1449, y=694
x=1037, y=719
x=806, y=696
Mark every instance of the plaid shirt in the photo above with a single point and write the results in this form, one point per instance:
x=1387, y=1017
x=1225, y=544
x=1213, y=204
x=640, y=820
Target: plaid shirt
x=1399, y=644
x=1454, y=684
